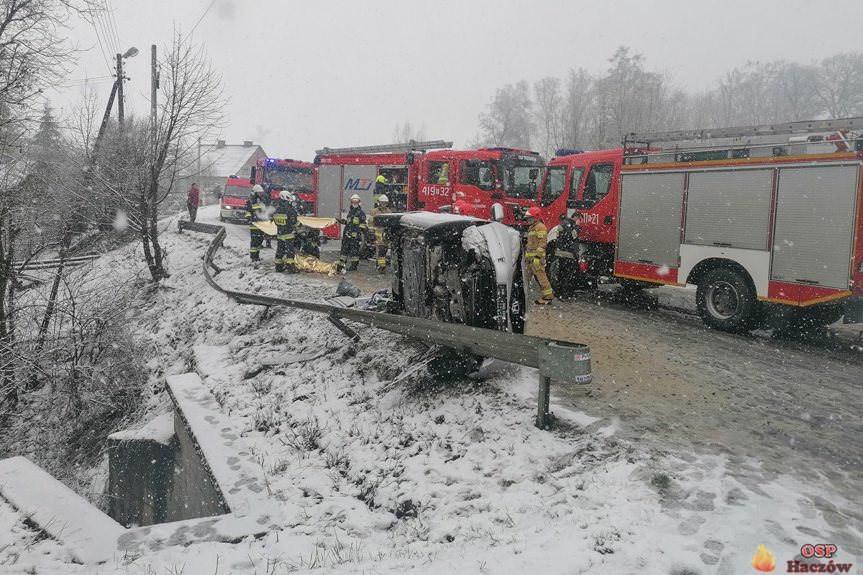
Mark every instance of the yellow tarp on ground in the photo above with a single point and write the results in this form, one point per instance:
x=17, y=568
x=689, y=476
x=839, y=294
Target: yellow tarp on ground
x=312, y=264
x=268, y=228
x=316, y=222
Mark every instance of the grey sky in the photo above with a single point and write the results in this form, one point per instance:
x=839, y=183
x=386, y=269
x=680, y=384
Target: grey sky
x=305, y=74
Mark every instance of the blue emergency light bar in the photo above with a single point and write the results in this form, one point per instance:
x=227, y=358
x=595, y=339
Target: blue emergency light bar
x=568, y=152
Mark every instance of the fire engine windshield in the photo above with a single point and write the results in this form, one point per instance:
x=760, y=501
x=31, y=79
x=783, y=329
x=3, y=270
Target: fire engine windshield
x=521, y=175
x=291, y=178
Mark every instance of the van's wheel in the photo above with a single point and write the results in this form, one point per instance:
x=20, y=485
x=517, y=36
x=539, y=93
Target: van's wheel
x=727, y=301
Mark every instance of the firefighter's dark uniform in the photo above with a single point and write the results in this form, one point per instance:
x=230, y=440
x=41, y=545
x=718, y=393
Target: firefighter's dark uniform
x=285, y=219
x=355, y=227
x=267, y=201
x=534, y=259
x=254, y=213
x=380, y=238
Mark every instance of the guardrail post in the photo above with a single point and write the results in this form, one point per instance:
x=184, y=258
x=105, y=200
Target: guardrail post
x=563, y=361
x=543, y=415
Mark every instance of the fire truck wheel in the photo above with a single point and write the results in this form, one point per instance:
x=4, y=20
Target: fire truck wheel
x=565, y=277
x=727, y=301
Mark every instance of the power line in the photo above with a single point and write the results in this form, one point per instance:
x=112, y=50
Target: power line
x=106, y=34
x=109, y=10
x=199, y=20
x=99, y=38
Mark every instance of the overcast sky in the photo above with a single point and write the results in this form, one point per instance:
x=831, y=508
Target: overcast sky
x=303, y=74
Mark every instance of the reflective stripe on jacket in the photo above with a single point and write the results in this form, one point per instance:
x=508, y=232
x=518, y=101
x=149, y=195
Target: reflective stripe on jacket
x=536, y=240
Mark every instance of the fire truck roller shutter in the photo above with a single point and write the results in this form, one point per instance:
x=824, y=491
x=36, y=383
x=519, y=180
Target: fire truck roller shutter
x=329, y=191
x=815, y=214
x=729, y=208
x=650, y=210
x=359, y=180
x=728, y=218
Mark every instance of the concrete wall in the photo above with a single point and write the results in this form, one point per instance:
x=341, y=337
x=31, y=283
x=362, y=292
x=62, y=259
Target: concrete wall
x=194, y=492
x=139, y=480
x=152, y=481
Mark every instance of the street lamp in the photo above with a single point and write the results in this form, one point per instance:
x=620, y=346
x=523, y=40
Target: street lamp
x=131, y=52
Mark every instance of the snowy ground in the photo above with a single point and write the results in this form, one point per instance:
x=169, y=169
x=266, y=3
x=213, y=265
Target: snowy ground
x=385, y=471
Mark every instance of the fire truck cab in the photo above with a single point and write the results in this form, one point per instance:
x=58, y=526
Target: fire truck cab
x=759, y=218
x=474, y=180
x=275, y=175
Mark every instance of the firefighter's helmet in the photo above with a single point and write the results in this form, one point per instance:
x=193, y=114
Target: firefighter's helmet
x=257, y=189
x=383, y=199
x=286, y=195
x=534, y=212
x=355, y=197
x=381, y=179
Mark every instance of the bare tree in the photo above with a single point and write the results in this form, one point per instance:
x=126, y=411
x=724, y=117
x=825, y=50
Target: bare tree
x=34, y=51
x=549, y=113
x=840, y=85
x=404, y=133
x=507, y=121
x=577, y=106
x=135, y=171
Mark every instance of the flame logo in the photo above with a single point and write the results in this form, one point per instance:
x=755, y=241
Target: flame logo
x=763, y=560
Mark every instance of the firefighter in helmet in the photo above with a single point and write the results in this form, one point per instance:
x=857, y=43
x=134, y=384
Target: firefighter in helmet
x=255, y=213
x=534, y=255
x=383, y=207
x=380, y=185
x=285, y=219
x=355, y=227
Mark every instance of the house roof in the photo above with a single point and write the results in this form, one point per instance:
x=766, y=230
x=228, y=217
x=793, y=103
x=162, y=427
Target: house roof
x=223, y=161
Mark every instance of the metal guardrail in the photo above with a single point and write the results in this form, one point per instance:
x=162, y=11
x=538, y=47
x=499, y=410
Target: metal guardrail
x=555, y=359
x=54, y=263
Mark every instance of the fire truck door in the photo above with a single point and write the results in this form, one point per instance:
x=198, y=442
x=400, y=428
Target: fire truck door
x=596, y=214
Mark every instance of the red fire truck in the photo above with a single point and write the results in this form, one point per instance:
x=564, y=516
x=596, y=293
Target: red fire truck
x=342, y=172
x=758, y=218
x=233, y=200
x=475, y=179
x=276, y=174
x=421, y=176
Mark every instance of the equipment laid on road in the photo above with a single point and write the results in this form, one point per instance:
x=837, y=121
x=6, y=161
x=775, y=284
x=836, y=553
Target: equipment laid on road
x=758, y=217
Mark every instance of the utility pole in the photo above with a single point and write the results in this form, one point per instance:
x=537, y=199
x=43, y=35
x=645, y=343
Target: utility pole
x=154, y=85
x=120, y=78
